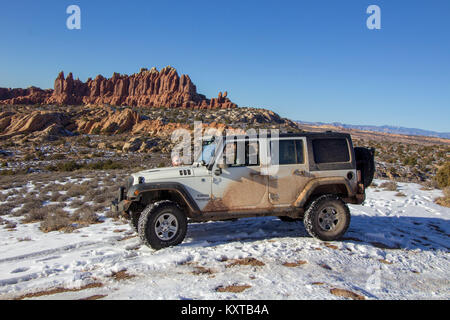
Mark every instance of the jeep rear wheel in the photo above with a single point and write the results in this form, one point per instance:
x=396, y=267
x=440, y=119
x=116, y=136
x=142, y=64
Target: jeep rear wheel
x=162, y=224
x=327, y=218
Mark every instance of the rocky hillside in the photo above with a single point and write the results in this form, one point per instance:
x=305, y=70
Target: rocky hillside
x=148, y=88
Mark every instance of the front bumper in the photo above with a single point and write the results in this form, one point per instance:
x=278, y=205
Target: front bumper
x=120, y=204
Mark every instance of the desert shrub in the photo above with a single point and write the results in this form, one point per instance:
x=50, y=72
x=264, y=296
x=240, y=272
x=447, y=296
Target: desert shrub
x=77, y=190
x=63, y=198
x=104, y=165
x=443, y=175
x=55, y=196
x=389, y=186
x=445, y=200
x=101, y=198
x=70, y=166
x=8, y=172
x=6, y=208
x=57, y=220
x=29, y=157
x=94, y=192
x=35, y=215
x=77, y=203
x=9, y=224
x=410, y=161
x=27, y=207
x=57, y=156
x=113, y=215
x=85, y=215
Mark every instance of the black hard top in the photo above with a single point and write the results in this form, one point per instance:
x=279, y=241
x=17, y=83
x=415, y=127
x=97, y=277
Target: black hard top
x=326, y=134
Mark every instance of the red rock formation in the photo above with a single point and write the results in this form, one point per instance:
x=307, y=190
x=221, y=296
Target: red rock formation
x=31, y=95
x=148, y=88
x=12, y=123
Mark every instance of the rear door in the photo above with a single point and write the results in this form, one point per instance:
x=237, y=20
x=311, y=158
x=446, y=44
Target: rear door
x=286, y=183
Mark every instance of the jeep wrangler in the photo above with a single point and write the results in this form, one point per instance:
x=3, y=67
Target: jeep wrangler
x=315, y=176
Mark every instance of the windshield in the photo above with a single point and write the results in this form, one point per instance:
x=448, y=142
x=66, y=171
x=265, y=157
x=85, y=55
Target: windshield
x=208, y=151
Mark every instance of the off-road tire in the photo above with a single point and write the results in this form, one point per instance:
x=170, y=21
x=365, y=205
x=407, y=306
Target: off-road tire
x=320, y=205
x=134, y=220
x=149, y=218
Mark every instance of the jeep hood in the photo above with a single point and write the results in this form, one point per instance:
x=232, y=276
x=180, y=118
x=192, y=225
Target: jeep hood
x=169, y=174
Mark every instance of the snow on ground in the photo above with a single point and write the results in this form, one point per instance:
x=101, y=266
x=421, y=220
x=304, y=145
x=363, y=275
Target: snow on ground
x=396, y=248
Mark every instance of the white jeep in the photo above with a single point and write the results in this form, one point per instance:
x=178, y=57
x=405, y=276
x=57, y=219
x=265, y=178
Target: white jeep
x=292, y=176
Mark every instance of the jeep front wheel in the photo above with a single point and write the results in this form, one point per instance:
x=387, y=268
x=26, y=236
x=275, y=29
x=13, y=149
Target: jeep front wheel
x=162, y=224
x=134, y=219
x=327, y=218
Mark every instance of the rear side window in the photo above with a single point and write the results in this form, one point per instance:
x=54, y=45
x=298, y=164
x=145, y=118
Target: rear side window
x=330, y=150
x=290, y=152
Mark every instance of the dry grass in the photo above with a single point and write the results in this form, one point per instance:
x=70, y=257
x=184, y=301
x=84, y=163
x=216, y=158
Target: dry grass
x=235, y=288
x=57, y=221
x=346, y=294
x=331, y=246
x=294, y=264
x=6, y=208
x=121, y=275
x=85, y=216
x=325, y=266
x=198, y=270
x=445, y=200
x=58, y=290
x=400, y=194
x=27, y=207
x=246, y=262
x=77, y=203
x=77, y=190
x=389, y=186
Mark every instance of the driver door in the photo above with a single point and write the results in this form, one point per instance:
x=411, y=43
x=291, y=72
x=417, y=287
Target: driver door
x=239, y=185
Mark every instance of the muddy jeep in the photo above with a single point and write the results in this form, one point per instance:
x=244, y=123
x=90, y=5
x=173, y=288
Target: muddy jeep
x=309, y=176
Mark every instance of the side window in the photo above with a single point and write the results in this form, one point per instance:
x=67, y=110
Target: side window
x=291, y=152
x=299, y=150
x=252, y=153
x=287, y=152
x=242, y=154
x=330, y=150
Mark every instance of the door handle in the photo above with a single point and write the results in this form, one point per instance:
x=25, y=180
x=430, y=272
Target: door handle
x=301, y=173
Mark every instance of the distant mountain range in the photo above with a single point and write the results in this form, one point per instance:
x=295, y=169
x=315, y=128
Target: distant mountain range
x=385, y=128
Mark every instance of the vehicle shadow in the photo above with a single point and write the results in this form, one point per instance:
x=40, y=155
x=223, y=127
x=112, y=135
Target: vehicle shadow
x=408, y=233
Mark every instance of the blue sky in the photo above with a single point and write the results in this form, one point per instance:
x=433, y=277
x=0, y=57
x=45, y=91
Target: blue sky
x=306, y=60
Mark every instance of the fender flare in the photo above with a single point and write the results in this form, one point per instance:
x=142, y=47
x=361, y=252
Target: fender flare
x=136, y=191
x=313, y=184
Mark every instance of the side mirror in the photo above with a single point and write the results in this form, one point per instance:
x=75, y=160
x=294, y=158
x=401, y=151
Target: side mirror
x=222, y=166
x=218, y=171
